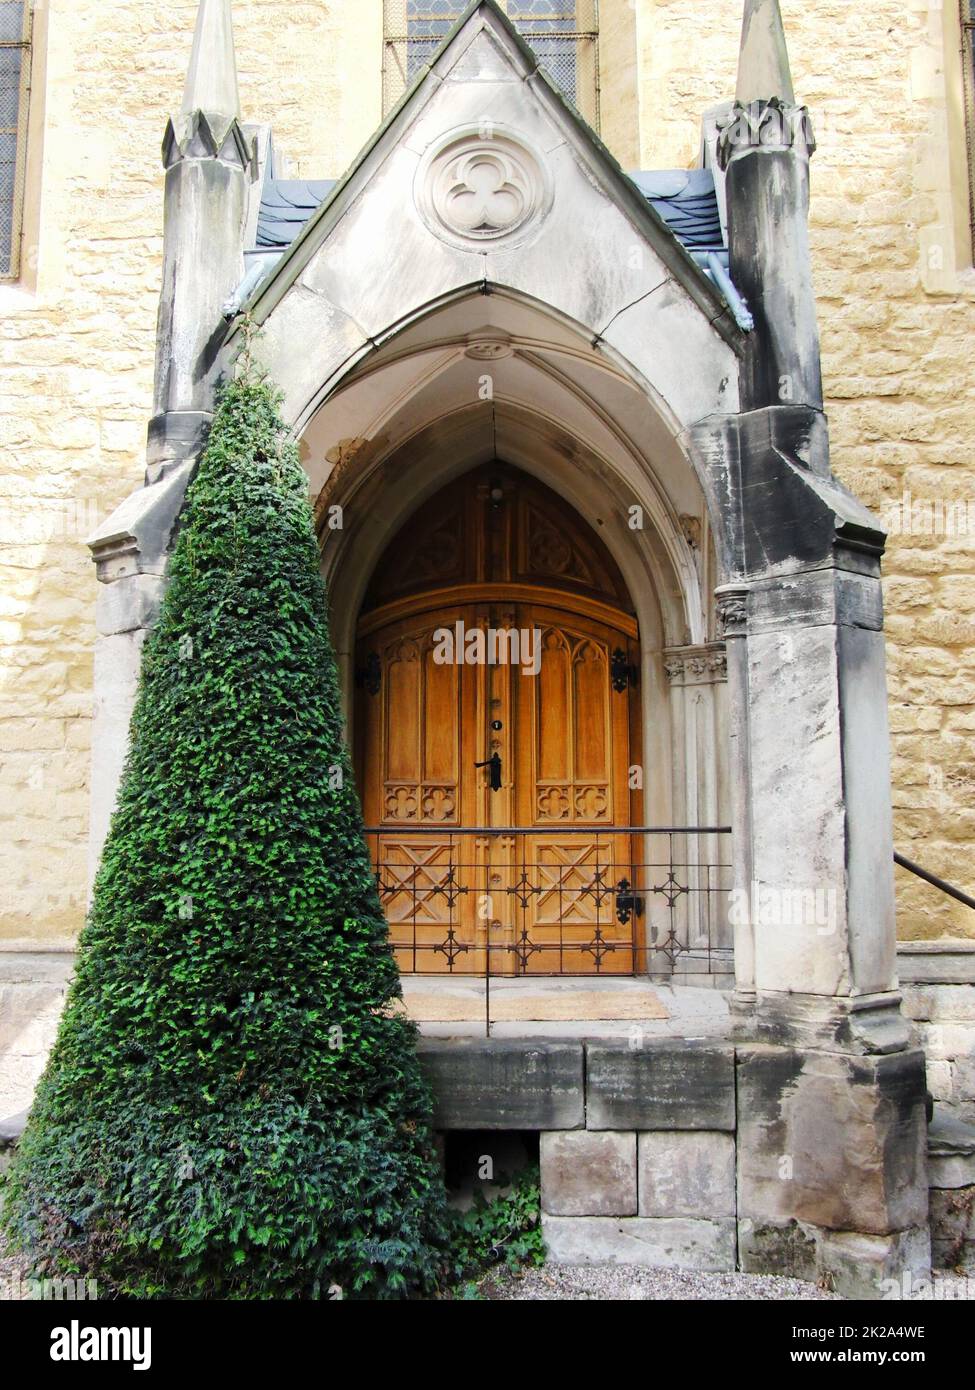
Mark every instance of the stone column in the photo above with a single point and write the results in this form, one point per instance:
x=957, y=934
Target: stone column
x=130, y=550
x=208, y=167
x=732, y=609
x=697, y=677
x=832, y=1134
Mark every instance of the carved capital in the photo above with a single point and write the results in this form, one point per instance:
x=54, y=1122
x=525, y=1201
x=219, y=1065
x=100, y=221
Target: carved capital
x=696, y=665
x=766, y=125
x=732, y=611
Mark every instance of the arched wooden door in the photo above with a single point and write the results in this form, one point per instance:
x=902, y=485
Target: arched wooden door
x=495, y=732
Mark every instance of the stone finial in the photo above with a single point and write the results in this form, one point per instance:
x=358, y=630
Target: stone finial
x=763, y=65
x=208, y=162
x=208, y=123
x=211, y=83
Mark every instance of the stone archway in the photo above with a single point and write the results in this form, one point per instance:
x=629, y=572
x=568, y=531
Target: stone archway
x=410, y=418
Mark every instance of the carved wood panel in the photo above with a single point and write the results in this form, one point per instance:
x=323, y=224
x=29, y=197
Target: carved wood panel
x=545, y=900
x=496, y=525
x=572, y=770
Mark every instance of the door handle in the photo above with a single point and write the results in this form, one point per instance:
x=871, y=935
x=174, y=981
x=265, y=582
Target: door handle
x=494, y=763
x=628, y=902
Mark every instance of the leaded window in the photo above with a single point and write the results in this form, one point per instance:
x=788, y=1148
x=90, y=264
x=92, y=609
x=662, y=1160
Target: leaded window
x=564, y=35
x=968, y=59
x=15, y=34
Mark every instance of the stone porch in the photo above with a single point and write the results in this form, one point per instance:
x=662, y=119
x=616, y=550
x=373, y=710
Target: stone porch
x=545, y=1007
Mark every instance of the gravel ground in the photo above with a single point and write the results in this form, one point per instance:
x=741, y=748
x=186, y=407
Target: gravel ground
x=614, y=1283
x=624, y=1283
x=10, y=1273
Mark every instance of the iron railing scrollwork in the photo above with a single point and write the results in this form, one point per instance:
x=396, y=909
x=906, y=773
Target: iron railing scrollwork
x=555, y=900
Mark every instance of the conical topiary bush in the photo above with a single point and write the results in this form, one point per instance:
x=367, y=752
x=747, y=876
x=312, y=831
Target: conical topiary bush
x=231, y=1108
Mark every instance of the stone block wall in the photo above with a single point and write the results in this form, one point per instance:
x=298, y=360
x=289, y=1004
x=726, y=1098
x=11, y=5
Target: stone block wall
x=951, y=1160
x=33, y=987
x=710, y=1156
x=639, y=1198
x=938, y=982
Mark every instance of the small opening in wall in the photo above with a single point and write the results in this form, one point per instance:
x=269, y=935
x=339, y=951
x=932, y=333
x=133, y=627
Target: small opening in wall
x=485, y=1162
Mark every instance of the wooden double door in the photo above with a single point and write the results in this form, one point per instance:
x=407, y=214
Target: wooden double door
x=495, y=774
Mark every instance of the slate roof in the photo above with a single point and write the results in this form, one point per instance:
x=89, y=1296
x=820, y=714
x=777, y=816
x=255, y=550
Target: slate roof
x=684, y=198
x=286, y=205
x=687, y=202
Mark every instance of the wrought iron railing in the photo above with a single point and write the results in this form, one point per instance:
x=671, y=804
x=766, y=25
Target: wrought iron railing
x=941, y=884
x=555, y=900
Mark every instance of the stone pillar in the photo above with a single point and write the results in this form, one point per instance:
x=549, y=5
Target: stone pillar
x=831, y=1100
x=764, y=151
x=208, y=167
x=697, y=676
x=130, y=550
x=831, y=1144
x=732, y=609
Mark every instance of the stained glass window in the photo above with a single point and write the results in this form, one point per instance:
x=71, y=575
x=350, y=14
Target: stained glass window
x=563, y=34
x=15, y=21
x=968, y=57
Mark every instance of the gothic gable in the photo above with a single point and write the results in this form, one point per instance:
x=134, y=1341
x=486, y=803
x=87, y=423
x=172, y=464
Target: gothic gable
x=484, y=177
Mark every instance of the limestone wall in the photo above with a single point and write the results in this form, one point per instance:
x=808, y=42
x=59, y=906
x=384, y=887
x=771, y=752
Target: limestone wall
x=897, y=304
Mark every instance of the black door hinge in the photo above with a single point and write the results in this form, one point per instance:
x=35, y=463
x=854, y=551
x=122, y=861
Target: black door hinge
x=622, y=673
x=370, y=676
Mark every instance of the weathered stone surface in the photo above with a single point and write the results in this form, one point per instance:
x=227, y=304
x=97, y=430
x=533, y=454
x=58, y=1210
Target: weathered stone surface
x=129, y=603
x=953, y=1228
x=777, y=1247
x=951, y=1152
x=837, y=1142
x=851, y=1263
x=135, y=538
x=687, y=1174
x=117, y=662
x=635, y=1240
x=831, y=845
x=873, y=1266
x=498, y=1084
x=941, y=963
x=11, y=1129
x=861, y=1023
x=941, y=1003
x=29, y=1015
x=684, y=1085
x=588, y=1174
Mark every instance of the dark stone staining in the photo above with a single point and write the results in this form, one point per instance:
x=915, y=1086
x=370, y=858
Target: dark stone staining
x=785, y=1248
x=497, y=1084
x=660, y=1086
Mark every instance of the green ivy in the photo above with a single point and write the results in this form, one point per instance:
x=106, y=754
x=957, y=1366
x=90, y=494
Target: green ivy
x=233, y=1107
x=503, y=1233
